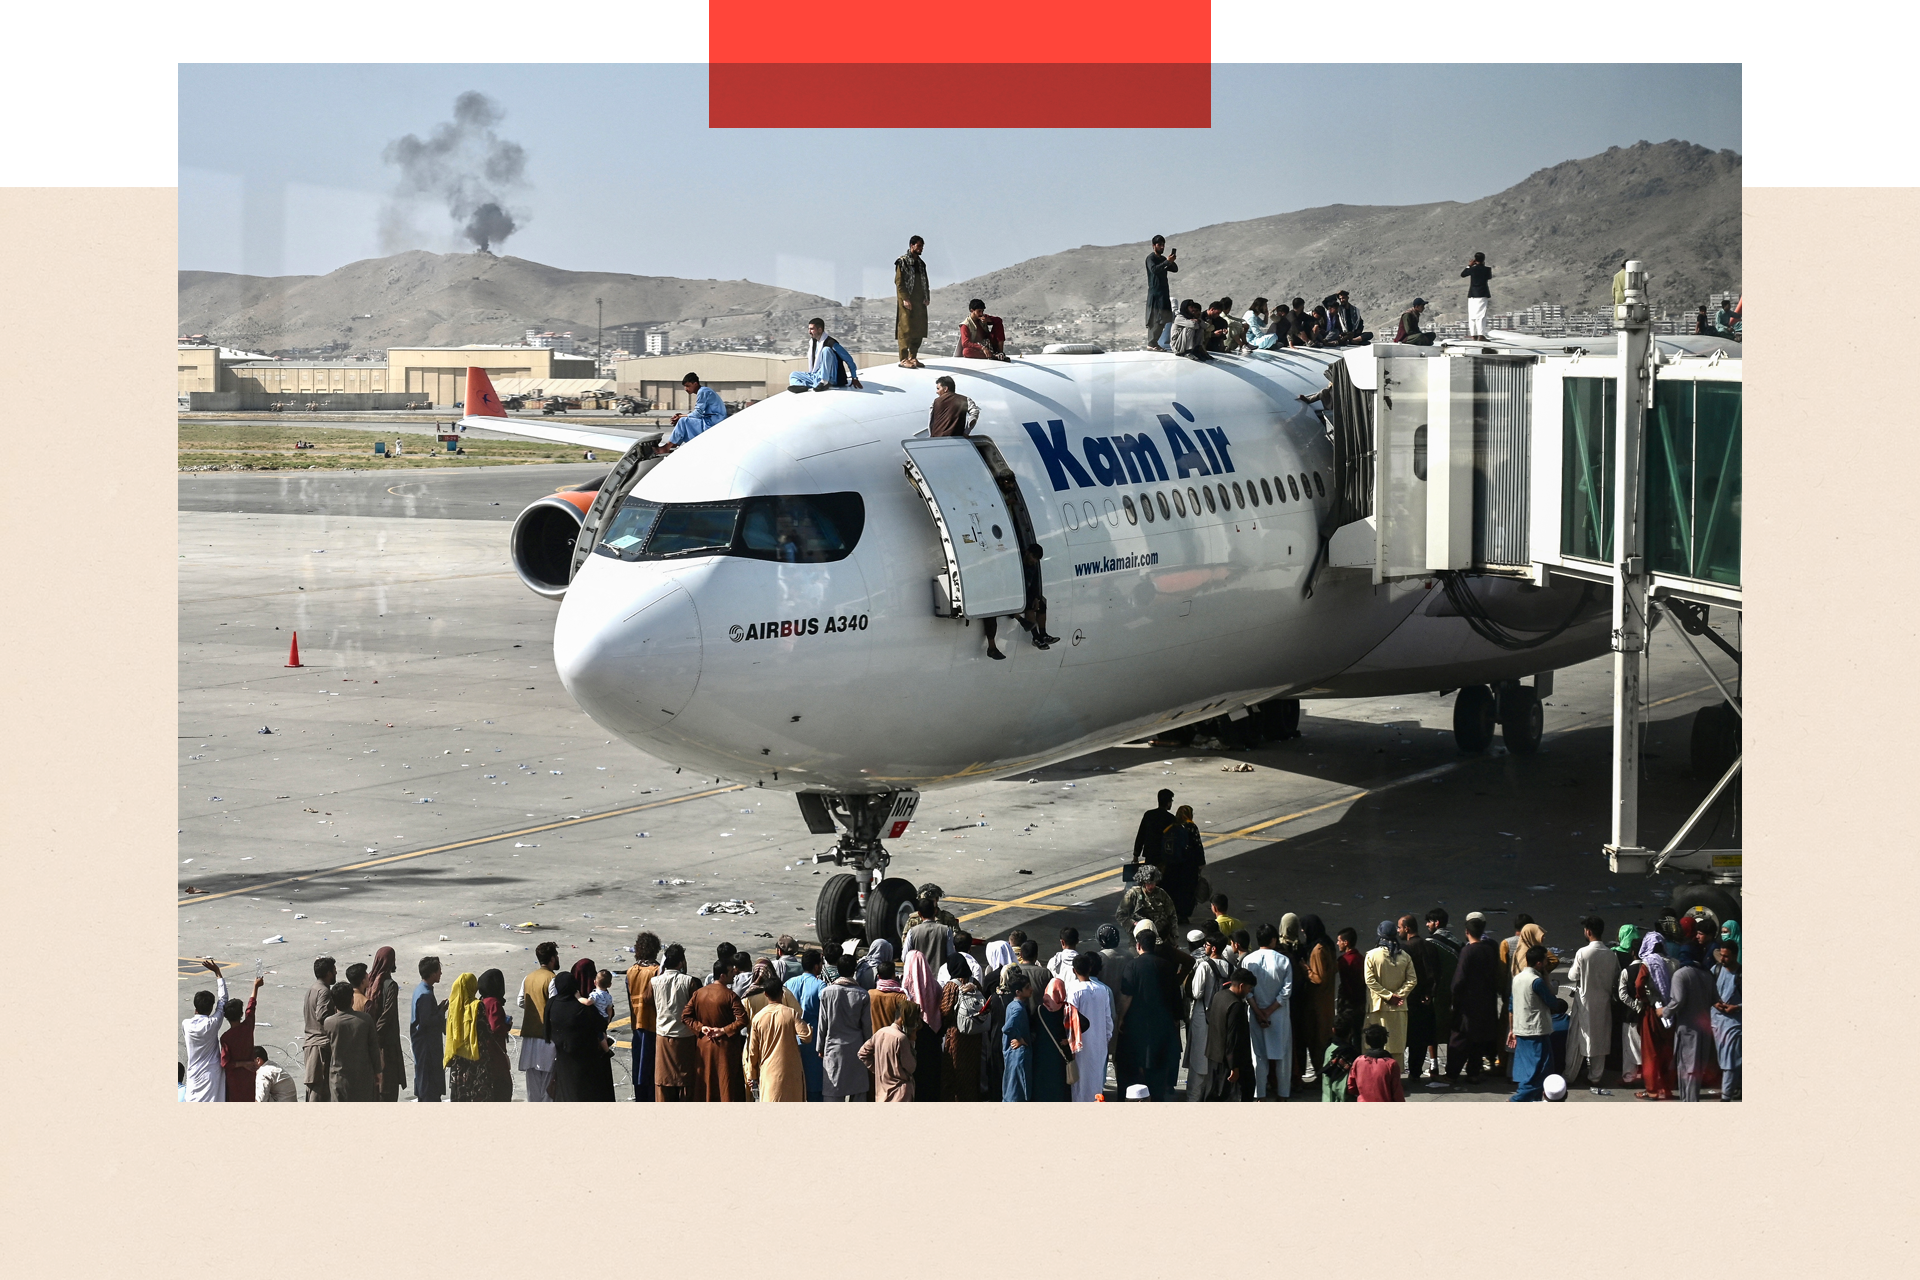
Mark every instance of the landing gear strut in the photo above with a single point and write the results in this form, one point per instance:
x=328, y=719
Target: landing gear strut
x=867, y=903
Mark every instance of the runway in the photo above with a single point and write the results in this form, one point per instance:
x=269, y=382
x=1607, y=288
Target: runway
x=428, y=784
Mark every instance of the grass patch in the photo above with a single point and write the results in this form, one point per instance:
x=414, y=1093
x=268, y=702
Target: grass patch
x=206, y=446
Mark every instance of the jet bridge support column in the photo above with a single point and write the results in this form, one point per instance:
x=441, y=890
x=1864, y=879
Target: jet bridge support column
x=1630, y=578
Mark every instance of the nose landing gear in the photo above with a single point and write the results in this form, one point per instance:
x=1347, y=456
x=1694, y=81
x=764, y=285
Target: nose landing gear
x=868, y=903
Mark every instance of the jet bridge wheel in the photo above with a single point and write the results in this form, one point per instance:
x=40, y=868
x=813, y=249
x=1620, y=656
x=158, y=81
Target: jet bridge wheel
x=1721, y=902
x=1522, y=720
x=887, y=910
x=1474, y=716
x=838, y=916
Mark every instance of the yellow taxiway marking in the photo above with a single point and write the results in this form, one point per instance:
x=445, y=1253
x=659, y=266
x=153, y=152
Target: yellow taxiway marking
x=1033, y=899
x=1676, y=697
x=1247, y=833
x=457, y=844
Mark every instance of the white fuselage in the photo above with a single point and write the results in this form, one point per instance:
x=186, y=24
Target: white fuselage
x=1159, y=623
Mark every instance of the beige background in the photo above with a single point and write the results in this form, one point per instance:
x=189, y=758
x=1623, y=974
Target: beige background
x=103, y=1170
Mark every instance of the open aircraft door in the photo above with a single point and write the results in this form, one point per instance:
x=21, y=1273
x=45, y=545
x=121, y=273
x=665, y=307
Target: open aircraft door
x=978, y=534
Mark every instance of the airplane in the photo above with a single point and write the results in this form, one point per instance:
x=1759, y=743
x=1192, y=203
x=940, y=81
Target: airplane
x=799, y=598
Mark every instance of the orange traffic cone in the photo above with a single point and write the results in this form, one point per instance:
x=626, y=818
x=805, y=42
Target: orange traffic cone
x=293, y=654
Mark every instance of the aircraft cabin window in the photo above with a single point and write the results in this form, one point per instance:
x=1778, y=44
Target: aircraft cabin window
x=1318, y=487
x=1295, y=487
x=1179, y=503
x=804, y=529
x=1161, y=498
x=1209, y=492
x=1224, y=504
x=1113, y=513
x=1133, y=517
x=1072, y=515
x=1093, y=515
x=1280, y=487
x=1193, y=500
x=1306, y=483
x=1238, y=500
x=1266, y=491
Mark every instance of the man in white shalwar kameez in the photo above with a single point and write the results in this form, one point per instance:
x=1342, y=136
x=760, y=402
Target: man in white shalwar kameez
x=1595, y=969
x=1095, y=1002
x=1272, y=989
x=1209, y=972
x=206, y=1081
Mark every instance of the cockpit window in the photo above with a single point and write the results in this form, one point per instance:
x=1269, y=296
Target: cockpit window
x=800, y=529
x=689, y=530
x=812, y=529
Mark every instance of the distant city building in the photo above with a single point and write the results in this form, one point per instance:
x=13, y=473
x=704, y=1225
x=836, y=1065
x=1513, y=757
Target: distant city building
x=549, y=341
x=656, y=342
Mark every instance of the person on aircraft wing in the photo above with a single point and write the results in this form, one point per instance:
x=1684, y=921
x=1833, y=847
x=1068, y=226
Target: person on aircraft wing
x=1409, y=331
x=828, y=364
x=707, y=411
x=952, y=414
x=1159, y=295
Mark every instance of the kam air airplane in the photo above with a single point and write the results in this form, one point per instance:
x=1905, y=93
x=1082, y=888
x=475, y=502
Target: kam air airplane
x=796, y=597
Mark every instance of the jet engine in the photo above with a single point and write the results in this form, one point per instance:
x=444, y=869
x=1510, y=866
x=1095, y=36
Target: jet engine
x=542, y=540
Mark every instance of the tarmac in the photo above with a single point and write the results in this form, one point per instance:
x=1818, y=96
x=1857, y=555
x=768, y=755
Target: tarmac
x=448, y=798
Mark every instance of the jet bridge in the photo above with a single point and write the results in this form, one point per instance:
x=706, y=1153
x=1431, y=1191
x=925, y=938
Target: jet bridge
x=1613, y=461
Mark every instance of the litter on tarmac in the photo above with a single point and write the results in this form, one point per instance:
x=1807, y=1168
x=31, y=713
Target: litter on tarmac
x=278, y=937
x=731, y=907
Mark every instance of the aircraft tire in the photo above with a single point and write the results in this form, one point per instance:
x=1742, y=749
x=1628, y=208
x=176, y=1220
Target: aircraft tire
x=1473, y=719
x=1521, y=727
x=1722, y=902
x=837, y=916
x=1715, y=741
x=887, y=907
x=1280, y=718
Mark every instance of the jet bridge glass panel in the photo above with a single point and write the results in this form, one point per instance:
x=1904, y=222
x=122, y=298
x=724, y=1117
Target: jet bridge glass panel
x=1586, y=468
x=1401, y=468
x=1693, y=480
x=984, y=575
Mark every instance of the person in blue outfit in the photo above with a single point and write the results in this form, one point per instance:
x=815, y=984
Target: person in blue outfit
x=806, y=987
x=1726, y=1014
x=706, y=413
x=428, y=1032
x=828, y=364
x=1530, y=1040
x=1016, y=1039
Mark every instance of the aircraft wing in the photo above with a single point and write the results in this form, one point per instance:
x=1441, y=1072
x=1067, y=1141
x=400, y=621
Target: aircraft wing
x=561, y=433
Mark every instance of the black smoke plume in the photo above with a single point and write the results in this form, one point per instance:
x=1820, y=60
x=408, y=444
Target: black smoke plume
x=465, y=165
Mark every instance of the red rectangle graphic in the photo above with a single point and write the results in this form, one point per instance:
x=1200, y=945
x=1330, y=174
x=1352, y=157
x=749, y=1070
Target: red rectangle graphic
x=904, y=95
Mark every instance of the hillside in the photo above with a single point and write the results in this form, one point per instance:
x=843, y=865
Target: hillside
x=429, y=299
x=1556, y=237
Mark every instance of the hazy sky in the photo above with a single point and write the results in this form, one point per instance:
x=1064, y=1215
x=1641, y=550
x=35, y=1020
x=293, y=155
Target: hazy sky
x=281, y=168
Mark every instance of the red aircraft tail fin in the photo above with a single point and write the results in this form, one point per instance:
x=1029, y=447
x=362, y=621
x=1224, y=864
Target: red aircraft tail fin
x=481, y=401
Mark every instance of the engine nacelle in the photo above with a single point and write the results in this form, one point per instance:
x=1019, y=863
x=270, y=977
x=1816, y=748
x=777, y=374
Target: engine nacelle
x=542, y=540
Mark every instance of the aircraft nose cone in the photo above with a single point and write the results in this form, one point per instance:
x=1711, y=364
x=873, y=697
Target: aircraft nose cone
x=631, y=662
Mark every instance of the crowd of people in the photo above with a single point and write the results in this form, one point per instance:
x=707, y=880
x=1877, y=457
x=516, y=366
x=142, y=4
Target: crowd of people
x=1271, y=1011
x=1196, y=330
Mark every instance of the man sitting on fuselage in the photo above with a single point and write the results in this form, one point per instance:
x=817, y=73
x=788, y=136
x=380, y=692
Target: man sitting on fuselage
x=829, y=365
